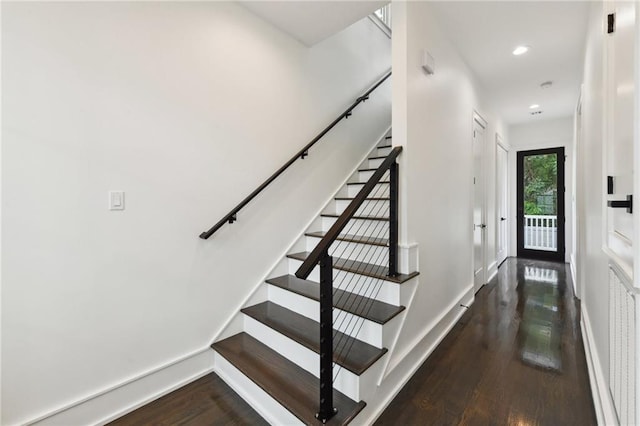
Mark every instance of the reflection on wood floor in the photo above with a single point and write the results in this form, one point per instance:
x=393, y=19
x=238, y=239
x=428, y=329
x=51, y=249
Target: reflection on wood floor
x=515, y=358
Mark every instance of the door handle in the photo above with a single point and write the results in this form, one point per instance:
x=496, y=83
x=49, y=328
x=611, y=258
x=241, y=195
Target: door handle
x=626, y=204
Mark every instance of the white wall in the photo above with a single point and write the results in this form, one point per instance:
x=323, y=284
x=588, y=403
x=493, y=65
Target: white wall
x=552, y=133
x=437, y=165
x=187, y=107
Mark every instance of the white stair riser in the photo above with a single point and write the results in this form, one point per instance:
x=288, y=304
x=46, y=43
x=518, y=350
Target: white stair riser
x=377, y=255
x=379, y=152
x=365, y=175
x=369, y=207
x=373, y=288
x=380, y=190
x=357, y=327
x=374, y=164
x=364, y=227
x=346, y=382
x=261, y=401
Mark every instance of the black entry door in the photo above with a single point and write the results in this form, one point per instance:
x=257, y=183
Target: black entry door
x=540, y=198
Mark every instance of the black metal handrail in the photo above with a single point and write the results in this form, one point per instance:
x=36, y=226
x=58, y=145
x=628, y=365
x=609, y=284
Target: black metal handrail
x=314, y=257
x=232, y=215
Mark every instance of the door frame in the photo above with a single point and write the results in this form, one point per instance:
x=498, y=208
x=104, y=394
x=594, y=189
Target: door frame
x=559, y=255
x=500, y=144
x=479, y=120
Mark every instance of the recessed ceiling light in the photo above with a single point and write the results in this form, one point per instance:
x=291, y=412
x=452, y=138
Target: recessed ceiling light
x=520, y=50
x=534, y=106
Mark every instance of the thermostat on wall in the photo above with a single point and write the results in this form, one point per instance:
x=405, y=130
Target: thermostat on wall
x=428, y=63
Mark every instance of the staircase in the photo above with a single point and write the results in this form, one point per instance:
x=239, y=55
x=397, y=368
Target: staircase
x=274, y=362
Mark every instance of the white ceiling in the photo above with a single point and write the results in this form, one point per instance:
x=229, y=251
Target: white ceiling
x=485, y=33
x=312, y=21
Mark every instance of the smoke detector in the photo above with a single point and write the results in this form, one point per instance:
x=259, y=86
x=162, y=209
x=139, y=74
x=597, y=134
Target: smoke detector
x=546, y=84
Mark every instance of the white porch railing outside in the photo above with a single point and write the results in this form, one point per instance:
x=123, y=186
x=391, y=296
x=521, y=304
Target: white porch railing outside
x=541, y=232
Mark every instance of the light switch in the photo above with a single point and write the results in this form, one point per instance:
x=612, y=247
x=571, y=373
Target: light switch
x=116, y=200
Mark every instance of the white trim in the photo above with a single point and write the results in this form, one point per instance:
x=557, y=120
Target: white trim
x=477, y=118
x=383, y=27
x=115, y=401
x=500, y=144
x=622, y=267
x=391, y=350
x=408, y=258
x=605, y=411
x=574, y=276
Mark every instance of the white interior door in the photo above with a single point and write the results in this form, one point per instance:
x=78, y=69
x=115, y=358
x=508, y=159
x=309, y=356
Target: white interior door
x=622, y=121
x=479, y=224
x=502, y=202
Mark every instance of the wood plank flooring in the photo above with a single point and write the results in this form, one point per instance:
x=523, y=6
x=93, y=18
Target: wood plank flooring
x=207, y=401
x=515, y=358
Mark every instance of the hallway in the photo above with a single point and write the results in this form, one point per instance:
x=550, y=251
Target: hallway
x=515, y=358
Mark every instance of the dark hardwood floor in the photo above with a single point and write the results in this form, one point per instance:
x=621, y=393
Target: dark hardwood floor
x=207, y=401
x=514, y=358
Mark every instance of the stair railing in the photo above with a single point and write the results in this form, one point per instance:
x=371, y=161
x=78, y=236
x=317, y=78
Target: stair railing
x=232, y=215
x=354, y=271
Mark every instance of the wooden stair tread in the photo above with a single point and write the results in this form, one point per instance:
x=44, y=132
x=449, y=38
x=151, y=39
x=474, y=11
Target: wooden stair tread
x=353, y=238
x=357, y=217
x=362, y=183
x=371, y=309
x=366, y=199
x=382, y=157
x=294, y=388
x=362, y=268
x=352, y=354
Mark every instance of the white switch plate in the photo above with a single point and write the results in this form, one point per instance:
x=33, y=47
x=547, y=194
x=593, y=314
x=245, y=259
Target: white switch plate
x=116, y=200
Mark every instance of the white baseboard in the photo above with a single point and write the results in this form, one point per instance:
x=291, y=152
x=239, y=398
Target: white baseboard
x=605, y=411
x=572, y=268
x=116, y=401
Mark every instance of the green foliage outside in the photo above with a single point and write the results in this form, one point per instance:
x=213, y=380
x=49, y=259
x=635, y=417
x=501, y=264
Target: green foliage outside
x=540, y=181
